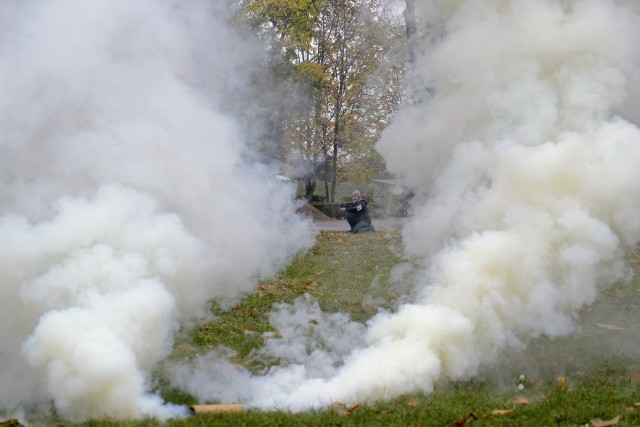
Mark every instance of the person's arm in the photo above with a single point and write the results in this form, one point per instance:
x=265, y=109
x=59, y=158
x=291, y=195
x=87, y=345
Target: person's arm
x=356, y=208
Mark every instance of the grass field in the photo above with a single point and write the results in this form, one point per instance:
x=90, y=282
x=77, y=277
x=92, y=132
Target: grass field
x=591, y=378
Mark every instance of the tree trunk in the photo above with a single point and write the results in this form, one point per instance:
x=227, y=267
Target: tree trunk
x=336, y=137
x=310, y=178
x=435, y=30
x=325, y=152
x=342, y=80
x=334, y=167
x=416, y=84
x=310, y=188
x=411, y=28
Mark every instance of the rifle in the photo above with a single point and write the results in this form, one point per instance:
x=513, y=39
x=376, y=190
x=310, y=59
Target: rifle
x=346, y=205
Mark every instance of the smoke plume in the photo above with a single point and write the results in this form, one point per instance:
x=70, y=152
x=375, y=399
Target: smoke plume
x=525, y=168
x=129, y=196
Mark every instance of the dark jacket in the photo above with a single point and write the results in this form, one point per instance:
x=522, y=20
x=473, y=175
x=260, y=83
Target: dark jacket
x=359, y=212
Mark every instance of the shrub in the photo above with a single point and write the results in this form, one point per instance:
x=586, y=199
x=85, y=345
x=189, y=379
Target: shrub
x=330, y=209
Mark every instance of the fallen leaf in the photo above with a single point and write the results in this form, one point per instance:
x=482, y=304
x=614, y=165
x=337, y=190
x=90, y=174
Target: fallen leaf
x=349, y=411
x=609, y=327
x=309, y=284
x=597, y=422
x=340, y=408
x=463, y=422
x=561, y=383
x=522, y=401
x=501, y=411
x=285, y=285
x=412, y=403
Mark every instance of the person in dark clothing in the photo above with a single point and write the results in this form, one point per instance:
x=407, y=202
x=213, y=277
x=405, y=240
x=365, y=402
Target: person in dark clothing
x=358, y=215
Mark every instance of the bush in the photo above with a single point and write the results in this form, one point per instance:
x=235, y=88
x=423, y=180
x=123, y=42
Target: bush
x=330, y=209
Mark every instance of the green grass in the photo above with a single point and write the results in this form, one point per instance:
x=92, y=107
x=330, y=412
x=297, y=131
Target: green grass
x=343, y=272
x=594, y=374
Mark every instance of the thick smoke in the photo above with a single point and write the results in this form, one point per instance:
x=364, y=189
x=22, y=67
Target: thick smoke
x=128, y=198
x=525, y=168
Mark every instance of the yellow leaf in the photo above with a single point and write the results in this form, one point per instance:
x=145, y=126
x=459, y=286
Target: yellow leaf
x=412, y=403
x=522, y=400
x=597, y=422
x=561, y=383
x=501, y=411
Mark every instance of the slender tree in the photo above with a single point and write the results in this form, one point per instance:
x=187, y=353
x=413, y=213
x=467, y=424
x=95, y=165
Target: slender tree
x=337, y=48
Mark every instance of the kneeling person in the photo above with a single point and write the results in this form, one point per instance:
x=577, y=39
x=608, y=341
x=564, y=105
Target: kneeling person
x=358, y=215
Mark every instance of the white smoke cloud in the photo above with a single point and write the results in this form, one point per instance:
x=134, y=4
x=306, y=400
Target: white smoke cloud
x=525, y=170
x=128, y=199
x=310, y=344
